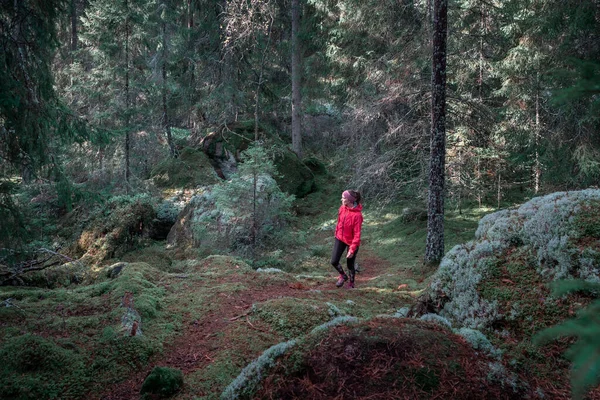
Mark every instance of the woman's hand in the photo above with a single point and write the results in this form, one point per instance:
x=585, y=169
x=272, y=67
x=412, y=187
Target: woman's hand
x=350, y=254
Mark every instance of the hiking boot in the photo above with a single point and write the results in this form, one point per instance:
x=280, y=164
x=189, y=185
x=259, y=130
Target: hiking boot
x=351, y=285
x=340, y=282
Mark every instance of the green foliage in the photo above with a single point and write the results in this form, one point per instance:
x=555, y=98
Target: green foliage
x=32, y=118
x=163, y=381
x=584, y=353
x=251, y=203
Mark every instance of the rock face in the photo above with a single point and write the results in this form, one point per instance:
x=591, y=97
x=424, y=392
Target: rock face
x=191, y=169
x=187, y=228
x=548, y=238
x=224, y=147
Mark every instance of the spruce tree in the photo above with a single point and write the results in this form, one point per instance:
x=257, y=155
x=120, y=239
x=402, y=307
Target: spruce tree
x=113, y=36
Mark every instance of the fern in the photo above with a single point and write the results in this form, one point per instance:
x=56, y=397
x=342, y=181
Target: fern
x=585, y=352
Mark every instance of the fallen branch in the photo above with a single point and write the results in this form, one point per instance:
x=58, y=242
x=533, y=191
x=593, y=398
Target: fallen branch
x=14, y=272
x=241, y=315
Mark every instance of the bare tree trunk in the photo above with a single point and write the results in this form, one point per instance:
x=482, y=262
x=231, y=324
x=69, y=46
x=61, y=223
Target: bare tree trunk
x=191, y=62
x=260, y=80
x=74, y=37
x=166, y=122
x=499, y=194
x=434, y=250
x=537, y=169
x=127, y=98
x=296, y=82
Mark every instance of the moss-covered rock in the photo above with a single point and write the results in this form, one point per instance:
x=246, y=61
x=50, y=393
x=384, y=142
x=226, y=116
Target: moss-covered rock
x=163, y=381
x=118, y=227
x=191, y=169
x=224, y=148
x=382, y=358
x=195, y=218
x=489, y=279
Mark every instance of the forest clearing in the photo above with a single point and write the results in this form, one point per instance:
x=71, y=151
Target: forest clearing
x=171, y=174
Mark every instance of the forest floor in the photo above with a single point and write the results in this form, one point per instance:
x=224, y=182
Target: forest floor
x=203, y=341
x=210, y=317
x=231, y=314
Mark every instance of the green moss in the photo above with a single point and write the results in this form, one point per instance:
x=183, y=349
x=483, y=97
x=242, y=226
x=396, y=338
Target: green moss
x=191, y=169
x=163, y=381
x=291, y=317
x=32, y=367
x=215, y=377
x=130, y=351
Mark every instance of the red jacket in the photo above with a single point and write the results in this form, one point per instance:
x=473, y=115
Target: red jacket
x=348, y=226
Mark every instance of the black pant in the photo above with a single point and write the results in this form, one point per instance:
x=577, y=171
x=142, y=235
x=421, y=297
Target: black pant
x=338, y=250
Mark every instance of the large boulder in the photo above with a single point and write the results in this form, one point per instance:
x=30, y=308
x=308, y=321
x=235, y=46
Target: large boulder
x=192, y=168
x=500, y=282
x=193, y=220
x=500, y=275
x=383, y=358
x=224, y=148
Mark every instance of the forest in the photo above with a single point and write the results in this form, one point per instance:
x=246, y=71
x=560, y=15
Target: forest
x=171, y=173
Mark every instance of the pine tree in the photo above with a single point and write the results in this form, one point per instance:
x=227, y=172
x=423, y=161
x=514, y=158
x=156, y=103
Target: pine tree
x=113, y=36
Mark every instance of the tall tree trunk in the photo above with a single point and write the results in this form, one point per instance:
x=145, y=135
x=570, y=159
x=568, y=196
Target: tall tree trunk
x=227, y=76
x=260, y=80
x=191, y=60
x=435, y=214
x=537, y=168
x=166, y=122
x=296, y=85
x=74, y=37
x=127, y=97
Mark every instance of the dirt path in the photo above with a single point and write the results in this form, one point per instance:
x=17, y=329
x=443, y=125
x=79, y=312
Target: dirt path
x=199, y=342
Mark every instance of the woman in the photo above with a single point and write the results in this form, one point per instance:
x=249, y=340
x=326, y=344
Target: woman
x=347, y=235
